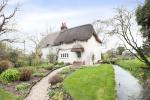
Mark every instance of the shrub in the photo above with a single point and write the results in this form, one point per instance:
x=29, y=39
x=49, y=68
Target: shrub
x=20, y=63
x=51, y=57
x=22, y=86
x=38, y=74
x=61, y=63
x=50, y=67
x=55, y=79
x=9, y=75
x=5, y=64
x=25, y=74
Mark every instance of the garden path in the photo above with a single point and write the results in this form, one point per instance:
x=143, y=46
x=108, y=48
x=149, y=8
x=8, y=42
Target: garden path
x=127, y=86
x=39, y=91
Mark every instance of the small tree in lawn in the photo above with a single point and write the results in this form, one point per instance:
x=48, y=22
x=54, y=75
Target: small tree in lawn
x=123, y=24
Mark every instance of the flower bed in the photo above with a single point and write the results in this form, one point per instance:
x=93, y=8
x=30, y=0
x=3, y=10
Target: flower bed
x=27, y=77
x=56, y=90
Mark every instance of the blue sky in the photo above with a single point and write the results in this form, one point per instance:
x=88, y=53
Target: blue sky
x=37, y=16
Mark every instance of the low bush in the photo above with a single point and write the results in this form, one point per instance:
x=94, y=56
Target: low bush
x=5, y=64
x=56, y=92
x=20, y=63
x=9, y=75
x=22, y=86
x=55, y=79
x=38, y=74
x=25, y=73
x=50, y=67
x=46, y=66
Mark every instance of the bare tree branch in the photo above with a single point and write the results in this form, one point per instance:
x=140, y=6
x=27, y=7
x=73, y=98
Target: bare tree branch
x=123, y=26
x=6, y=20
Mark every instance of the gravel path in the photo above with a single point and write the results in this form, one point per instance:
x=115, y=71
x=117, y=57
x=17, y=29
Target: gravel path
x=128, y=87
x=39, y=91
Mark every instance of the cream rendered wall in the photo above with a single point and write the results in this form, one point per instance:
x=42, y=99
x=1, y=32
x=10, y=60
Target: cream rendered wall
x=90, y=47
x=46, y=51
x=93, y=47
x=66, y=48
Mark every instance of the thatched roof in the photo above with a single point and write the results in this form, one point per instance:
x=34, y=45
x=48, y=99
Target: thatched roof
x=77, y=47
x=80, y=33
x=48, y=40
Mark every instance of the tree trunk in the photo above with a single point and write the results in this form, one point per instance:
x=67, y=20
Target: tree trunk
x=143, y=57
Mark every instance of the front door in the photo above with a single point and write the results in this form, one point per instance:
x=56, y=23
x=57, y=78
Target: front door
x=79, y=56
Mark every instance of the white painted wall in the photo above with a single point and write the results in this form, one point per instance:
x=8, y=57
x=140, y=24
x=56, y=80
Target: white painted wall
x=90, y=47
x=46, y=51
x=93, y=47
x=66, y=48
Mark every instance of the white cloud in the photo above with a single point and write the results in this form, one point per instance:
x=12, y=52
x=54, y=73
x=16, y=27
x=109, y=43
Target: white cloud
x=14, y=2
x=37, y=20
x=40, y=19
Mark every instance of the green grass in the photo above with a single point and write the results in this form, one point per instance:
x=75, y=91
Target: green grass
x=135, y=67
x=93, y=83
x=7, y=96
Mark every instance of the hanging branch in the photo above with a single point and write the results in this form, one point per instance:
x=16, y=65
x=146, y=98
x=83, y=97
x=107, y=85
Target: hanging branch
x=6, y=21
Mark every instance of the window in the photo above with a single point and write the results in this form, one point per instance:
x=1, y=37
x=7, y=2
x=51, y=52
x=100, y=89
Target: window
x=64, y=55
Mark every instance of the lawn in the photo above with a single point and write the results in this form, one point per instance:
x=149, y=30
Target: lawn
x=7, y=96
x=92, y=83
x=136, y=67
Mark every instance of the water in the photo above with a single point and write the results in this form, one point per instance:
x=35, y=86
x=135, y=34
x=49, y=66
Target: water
x=127, y=86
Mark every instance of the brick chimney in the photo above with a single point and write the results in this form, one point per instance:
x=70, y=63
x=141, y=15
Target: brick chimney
x=63, y=26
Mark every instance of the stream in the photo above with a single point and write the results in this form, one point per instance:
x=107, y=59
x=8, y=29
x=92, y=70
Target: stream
x=127, y=86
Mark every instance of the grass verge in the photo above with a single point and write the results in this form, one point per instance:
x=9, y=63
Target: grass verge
x=136, y=67
x=93, y=83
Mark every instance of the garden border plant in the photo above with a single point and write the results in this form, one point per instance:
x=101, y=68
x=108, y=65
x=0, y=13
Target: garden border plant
x=56, y=90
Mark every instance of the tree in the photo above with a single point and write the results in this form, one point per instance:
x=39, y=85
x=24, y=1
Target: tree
x=51, y=57
x=37, y=54
x=123, y=28
x=143, y=19
x=120, y=50
x=6, y=25
x=102, y=28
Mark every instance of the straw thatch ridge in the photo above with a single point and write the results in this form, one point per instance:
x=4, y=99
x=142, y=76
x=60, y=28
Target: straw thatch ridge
x=48, y=40
x=80, y=33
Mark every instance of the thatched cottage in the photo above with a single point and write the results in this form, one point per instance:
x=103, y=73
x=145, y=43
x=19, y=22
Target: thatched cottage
x=73, y=45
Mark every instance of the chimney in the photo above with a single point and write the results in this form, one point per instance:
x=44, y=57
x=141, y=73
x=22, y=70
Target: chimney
x=63, y=26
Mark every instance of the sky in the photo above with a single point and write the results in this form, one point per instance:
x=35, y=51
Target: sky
x=35, y=17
